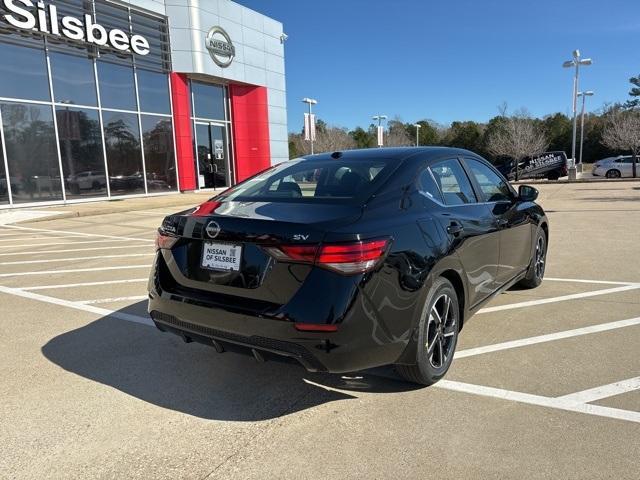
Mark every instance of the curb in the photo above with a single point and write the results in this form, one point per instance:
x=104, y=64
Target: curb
x=579, y=180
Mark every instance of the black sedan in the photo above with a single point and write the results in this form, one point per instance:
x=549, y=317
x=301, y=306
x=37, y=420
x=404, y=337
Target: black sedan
x=349, y=260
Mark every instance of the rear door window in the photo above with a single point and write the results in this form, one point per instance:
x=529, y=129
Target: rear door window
x=453, y=182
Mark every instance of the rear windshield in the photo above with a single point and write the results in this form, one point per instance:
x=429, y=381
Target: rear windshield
x=312, y=181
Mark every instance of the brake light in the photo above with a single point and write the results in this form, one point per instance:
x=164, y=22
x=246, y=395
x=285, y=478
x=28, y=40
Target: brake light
x=346, y=258
x=164, y=241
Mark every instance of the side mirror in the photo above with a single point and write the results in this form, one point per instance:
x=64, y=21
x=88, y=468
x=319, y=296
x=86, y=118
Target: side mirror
x=527, y=193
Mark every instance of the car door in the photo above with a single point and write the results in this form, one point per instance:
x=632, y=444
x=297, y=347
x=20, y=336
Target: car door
x=511, y=218
x=627, y=167
x=470, y=227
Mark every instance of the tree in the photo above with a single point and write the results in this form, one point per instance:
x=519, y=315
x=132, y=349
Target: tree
x=328, y=139
x=363, y=138
x=464, y=135
x=558, y=129
x=622, y=132
x=518, y=138
x=634, y=92
x=397, y=134
x=427, y=134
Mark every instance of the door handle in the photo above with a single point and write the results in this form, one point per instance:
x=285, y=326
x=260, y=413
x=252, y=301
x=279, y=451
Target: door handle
x=455, y=228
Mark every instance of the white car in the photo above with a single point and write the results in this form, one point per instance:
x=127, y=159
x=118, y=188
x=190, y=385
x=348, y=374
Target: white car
x=88, y=180
x=615, y=167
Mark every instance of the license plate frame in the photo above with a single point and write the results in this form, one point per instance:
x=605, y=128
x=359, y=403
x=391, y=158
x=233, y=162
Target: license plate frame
x=215, y=256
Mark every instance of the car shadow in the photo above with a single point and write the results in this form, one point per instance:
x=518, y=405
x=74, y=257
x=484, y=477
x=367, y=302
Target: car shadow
x=161, y=369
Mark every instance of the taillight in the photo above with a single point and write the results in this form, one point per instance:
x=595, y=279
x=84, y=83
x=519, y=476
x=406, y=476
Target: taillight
x=165, y=241
x=346, y=258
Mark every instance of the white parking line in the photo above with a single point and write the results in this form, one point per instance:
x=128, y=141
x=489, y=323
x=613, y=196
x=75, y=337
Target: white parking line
x=580, y=280
x=39, y=237
x=558, y=403
x=113, y=299
x=563, y=298
x=71, y=259
x=603, y=391
x=67, y=250
x=510, y=395
x=87, y=308
x=73, y=270
x=22, y=244
x=523, y=342
x=84, y=284
x=81, y=234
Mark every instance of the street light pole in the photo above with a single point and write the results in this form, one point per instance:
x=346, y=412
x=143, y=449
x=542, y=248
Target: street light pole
x=584, y=95
x=417, y=125
x=575, y=62
x=379, y=118
x=310, y=101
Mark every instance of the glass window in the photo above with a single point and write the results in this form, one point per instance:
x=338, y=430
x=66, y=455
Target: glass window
x=153, y=92
x=494, y=187
x=31, y=152
x=124, y=157
x=81, y=151
x=453, y=182
x=159, y=157
x=73, y=79
x=312, y=181
x=427, y=185
x=117, y=87
x=208, y=101
x=23, y=73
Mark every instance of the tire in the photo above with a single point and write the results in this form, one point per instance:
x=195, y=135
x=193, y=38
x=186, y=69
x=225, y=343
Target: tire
x=437, y=339
x=613, y=173
x=535, y=273
x=553, y=176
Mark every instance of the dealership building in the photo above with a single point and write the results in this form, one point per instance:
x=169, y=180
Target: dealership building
x=107, y=99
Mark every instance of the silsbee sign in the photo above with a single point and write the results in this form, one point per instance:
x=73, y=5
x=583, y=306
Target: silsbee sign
x=45, y=19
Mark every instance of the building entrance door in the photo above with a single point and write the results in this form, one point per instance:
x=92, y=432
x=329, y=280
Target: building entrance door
x=214, y=168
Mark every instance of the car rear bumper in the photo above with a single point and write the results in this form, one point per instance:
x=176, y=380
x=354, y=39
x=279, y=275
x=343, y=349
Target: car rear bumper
x=359, y=342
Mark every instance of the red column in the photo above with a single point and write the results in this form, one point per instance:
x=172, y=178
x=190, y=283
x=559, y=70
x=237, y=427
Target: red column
x=181, y=101
x=250, y=129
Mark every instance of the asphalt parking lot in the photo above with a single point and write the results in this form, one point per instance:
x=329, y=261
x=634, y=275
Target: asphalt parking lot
x=545, y=384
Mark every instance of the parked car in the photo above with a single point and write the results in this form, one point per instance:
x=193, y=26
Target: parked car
x=87, y=180
x=381, y=262
x=549, y=165
x=615, y=167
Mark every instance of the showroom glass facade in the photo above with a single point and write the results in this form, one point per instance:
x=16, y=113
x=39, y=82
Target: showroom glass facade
x=80, y=121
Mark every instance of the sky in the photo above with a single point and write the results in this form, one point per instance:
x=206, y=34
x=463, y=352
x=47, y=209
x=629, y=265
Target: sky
x=451, y=60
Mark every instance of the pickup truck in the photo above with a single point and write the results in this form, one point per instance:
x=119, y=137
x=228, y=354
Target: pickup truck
x=549, y=165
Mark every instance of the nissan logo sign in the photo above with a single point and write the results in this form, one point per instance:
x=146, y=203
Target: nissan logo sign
x=212, y=229
x=220, y=47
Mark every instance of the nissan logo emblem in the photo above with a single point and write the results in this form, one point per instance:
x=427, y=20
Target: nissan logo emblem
x=212, y=229
x=220, y=47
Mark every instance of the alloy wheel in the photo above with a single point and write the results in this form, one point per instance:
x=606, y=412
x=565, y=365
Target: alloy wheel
x=441, y=329
x=540, y=258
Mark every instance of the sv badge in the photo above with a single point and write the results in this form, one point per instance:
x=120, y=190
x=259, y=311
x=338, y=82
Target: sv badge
x=299, y=236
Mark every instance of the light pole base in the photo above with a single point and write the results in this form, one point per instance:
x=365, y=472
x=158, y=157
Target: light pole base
x=572, y=174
